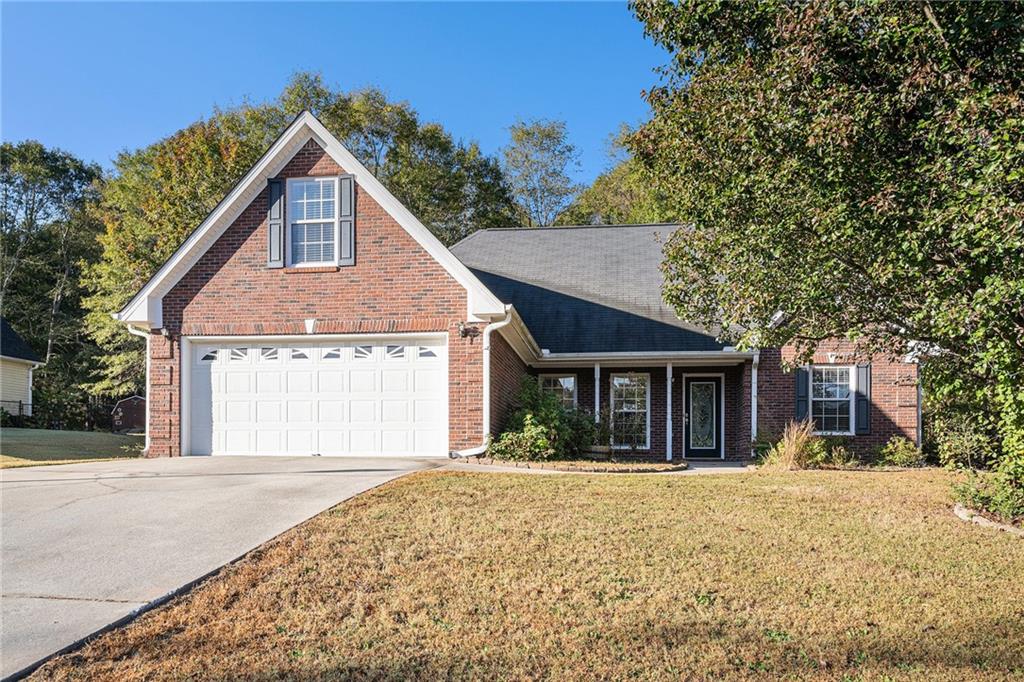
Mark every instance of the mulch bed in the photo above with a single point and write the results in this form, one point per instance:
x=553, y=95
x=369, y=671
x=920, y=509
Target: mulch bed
x=588, y=466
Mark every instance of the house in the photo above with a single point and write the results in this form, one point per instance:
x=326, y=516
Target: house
x=312, y=313
x=17, y=363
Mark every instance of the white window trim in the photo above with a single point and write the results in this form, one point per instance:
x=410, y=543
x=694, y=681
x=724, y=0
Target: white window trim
x=852, y=399
x=575, y=384
x=611, y=407
x=288, y=224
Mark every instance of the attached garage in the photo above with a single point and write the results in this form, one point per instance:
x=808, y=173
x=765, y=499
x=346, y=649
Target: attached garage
x=380, y=396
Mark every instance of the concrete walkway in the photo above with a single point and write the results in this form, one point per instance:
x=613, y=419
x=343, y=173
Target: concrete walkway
x=86, y=545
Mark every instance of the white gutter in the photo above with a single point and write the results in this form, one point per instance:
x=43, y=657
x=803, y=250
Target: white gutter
x=138, y=332
x=753, y=398
x=647, y=355
x=481, y=449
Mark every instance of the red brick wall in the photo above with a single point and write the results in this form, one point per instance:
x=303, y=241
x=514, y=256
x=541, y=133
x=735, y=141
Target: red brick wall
x=893, y=393
x=507, y=372
x=395, y=286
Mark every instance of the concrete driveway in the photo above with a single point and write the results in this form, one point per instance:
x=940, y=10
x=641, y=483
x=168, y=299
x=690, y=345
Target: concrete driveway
x=85, y=545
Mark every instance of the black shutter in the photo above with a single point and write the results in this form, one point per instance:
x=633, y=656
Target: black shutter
x=802, y=393
x=275, y=224
x=863, y=400
x=347, y=218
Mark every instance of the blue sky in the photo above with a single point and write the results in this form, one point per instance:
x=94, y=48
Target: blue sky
x=95, y=79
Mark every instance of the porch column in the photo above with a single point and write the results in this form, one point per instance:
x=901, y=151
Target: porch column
x=668, y=412
x=597, y=392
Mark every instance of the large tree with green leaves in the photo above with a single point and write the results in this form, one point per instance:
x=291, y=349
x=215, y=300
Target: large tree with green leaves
x=538, y=162
x=46, y=235
x=160, y=193
x=622, y=195
x=858, y=166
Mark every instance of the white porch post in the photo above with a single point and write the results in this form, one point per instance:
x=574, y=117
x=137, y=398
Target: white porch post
x=753, y=398
x=668, y=412
x=597, y=392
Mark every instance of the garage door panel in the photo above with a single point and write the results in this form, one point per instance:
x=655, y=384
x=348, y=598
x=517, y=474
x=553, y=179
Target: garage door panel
x=330, y=398
x=331, y=381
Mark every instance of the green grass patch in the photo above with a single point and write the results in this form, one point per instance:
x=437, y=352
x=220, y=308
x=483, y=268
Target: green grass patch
x=32, y=447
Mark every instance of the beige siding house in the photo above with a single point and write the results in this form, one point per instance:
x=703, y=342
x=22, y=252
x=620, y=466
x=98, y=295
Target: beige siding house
x=17, y=362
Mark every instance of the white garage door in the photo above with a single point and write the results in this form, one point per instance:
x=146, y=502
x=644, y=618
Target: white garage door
x=363, y=398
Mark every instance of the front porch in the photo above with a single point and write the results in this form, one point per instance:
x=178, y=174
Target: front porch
x=670, y=411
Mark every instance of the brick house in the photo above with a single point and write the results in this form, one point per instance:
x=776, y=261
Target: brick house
x=312, y=313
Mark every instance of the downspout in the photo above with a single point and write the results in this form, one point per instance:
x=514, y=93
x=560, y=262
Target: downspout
x=481, y=449
x=137, y=332
x=753, y=399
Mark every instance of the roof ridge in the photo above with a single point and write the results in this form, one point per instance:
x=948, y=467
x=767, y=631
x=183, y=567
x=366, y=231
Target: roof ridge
x=567, y=227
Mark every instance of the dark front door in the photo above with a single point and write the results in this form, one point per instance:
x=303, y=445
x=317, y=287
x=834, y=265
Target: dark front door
x=703, y=399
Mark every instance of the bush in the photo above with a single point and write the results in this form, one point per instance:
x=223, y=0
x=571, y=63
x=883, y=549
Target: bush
x=959, y=441
x=528, y=443
x=995, y=493
x=900, y=452
x=797, y=449
x=542, y=428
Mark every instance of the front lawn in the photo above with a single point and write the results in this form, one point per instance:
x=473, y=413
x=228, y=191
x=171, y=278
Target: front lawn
x=30, y=447
x=863, y=575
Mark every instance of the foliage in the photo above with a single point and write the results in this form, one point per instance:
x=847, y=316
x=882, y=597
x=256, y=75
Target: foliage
x=542, y=428
x=959, y=437
x=985, y=491
x=537, y=162
x=858, y=167
x=900, y=452
x=529, y=442
x=799, y=448
x=160, y=193
x=621, y=195
x=47, y=235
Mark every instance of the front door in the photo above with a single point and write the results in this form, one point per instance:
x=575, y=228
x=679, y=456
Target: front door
x=703, y=397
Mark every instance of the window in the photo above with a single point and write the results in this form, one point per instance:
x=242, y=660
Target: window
x=561, y=385
x=427, y=353
x=332, y=354
x=363, y=352
x=631, y=418
x=395, y=352
x=268, y=354
x=832, y=398
x=239, y=354
x=299, y=354
x=312, y=221
x=209, y=356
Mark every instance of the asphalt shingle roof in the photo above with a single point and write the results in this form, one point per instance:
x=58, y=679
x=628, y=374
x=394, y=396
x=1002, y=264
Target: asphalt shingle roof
x=12, y=345
x=584, y=289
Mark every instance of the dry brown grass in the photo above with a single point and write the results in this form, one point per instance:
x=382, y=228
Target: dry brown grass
x=825, y=574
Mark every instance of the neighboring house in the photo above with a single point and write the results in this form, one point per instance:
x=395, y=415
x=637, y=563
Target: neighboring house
x=17, y=362
x=312, y=313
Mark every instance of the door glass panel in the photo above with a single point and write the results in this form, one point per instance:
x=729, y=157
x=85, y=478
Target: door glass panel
x=702, y=415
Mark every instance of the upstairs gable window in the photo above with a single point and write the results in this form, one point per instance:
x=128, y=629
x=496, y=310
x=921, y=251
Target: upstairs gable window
x=313, y=228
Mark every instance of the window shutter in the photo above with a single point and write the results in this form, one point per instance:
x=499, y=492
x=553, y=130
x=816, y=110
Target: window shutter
x=347, y=219
x=803, y=382
x=863, y=400
x=275, y=224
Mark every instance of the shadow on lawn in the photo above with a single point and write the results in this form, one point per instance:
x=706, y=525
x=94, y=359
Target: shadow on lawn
x=967, y=651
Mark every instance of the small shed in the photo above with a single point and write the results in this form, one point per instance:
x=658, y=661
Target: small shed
x=129, y=414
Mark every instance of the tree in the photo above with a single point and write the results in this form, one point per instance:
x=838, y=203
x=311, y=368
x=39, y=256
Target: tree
x=858, y=167
x=621, y=195
x=159, y=194
x=47, y=235
x=537, y=162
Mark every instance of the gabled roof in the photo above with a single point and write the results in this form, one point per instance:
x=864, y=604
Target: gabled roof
x=13, y=346
x=146, y=308
x=588, y=289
